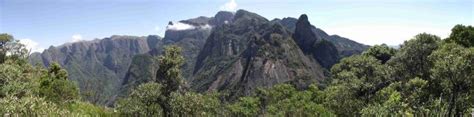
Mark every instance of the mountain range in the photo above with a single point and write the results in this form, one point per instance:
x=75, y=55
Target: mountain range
x=231, y=52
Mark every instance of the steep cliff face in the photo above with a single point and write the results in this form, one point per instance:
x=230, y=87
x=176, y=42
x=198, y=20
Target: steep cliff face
x=221, y=18
x=97, y=65
x=311, y=44
x=252, y=52
x=345, y=46
x=144, y=66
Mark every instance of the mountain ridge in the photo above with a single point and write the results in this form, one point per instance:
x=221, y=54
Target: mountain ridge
x=253, y=49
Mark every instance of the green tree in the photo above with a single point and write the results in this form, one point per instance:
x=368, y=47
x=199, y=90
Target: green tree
x=169, y=75
x=462, y=35
x=412, y=59
x=381, y=52
x=34, y=91
x=399, y=98
x=30, y=106
x=143, y=101
x=246, y=106
x=356, y=79
x=4, y=39
x=195, y=104
x=343, y=100
x=285, y=100
x=454, y=69
x=364, y=73
x=55, y=86
x=155, y=98
x=11, y=48
x=413, y=93
x=17, y=79
x=392, y=104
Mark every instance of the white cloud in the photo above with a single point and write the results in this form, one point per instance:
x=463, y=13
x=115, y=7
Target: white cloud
x=76, y=38
x=207, y=26
x=31, y=45
x=159, y=30
x=180, y=26
x=229, y=6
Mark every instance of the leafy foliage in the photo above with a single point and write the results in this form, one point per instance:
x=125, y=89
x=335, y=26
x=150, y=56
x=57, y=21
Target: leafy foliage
x=426, y=77
x=381, y=52
x=462, y=35
x=34, y=91
x=281, y=100
x=169, y=73
x=29, y=106
x=142, y=101
x=155, y=98
x=285, y=100
x=4, y=39
x=195, y=104
x=55, y=87
x=453, y=68
x=11, y=49
x=412, y=59
x=356, y=79
x=246, y=106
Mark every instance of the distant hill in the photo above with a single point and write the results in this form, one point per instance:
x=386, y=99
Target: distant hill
x=97, y=65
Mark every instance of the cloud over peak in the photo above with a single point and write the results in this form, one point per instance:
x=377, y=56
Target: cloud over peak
x=31, y=45
x=229, y=6
x=179, y=26
x=76, y=38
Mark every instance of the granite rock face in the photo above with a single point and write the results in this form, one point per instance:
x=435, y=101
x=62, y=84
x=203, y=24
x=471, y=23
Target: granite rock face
x=323, y=51
x=249, y=53
x=345, y=46
x=97, y=65
x=144, y=66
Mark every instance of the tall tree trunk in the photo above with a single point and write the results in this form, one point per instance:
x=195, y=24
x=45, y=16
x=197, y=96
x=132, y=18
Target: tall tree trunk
x=457, y=110
x=166, y=110
x=452, y=102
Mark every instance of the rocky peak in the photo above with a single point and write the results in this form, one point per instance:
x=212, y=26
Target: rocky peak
x=196, y=30
x=304, y=35
x=303, y=18
x=221, y=18
x=345, y=46
x=289, y=22
x=312, y=44
x=243, y=16
x=199, y=21
x=250, y=53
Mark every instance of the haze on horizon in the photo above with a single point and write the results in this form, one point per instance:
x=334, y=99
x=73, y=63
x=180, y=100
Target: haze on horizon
x=40, y=24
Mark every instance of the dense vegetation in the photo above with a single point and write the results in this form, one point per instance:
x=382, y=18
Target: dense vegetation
x=427, y=76
x=27, y=90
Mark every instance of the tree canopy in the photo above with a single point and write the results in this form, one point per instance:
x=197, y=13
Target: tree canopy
x=27, y=90
x=427, y=76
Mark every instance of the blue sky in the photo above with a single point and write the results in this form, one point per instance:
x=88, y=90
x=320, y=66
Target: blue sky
x=41, y=23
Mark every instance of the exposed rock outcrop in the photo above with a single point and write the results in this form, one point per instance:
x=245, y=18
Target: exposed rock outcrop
x=249, y=53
